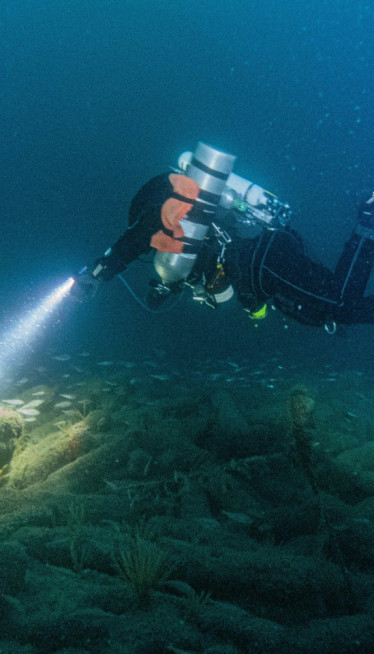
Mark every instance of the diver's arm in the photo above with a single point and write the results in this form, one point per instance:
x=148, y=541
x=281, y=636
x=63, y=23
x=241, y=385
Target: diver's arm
x=115, y=260
x=132, y=244
x=144, y=221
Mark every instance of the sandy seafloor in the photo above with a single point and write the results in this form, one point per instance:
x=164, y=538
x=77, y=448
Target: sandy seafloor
x=216, y=510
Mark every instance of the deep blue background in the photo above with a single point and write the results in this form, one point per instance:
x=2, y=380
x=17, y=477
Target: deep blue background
x=97, y=96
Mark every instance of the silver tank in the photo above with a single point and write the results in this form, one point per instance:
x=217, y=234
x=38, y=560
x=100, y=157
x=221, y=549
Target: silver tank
x=210, y=168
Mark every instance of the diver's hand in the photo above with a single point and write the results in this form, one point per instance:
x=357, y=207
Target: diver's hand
x=85, y=286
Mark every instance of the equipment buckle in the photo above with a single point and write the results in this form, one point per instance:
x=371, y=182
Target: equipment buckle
x=223, y=239
x=330, y=328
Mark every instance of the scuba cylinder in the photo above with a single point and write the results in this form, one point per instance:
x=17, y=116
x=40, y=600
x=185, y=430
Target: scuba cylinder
x=210, y=169
x=252, y=203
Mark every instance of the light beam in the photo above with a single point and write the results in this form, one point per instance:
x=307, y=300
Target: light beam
x=14, y=342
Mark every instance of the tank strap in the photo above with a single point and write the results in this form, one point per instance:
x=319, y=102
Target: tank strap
x=190, y=245
x=182, y=198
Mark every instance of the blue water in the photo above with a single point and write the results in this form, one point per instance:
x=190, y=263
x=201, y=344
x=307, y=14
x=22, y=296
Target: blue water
x=96, y=97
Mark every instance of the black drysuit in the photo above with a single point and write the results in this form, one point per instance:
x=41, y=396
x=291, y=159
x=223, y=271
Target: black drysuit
x=272, y=266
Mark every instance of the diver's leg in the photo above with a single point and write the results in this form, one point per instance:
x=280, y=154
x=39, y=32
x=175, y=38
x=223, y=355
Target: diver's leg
x=355, y=265
x=300, y=287
x=356, y=262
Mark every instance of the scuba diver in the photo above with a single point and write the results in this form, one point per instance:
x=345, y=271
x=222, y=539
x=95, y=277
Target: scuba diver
x=222, y=235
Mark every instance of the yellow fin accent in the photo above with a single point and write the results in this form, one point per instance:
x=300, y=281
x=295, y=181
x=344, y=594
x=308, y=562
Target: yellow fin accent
x=260, y=314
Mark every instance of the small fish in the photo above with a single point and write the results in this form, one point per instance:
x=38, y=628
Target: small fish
x=29, y=412
x=31, y=419
x=14, y=402
x=241, y=518
x=33, y=404
x=84, y=354
x=63, y=405
x=151, y=364
x=22, y=381
x=105, y=364
x=68, y=396
x=350, y=414
x=38, y=393
x=160, y=377
x=61, y=357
